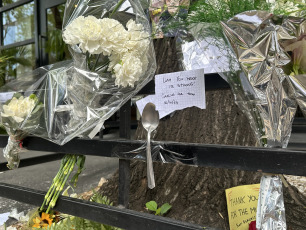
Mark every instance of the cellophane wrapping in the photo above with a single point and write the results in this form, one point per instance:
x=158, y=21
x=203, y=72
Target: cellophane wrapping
x=74, y=98
x=251, y=58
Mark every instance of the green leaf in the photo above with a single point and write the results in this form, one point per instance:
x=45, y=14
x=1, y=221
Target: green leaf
x=158, y=212
x=152, y=206
x=165, y=208
x=33, y=96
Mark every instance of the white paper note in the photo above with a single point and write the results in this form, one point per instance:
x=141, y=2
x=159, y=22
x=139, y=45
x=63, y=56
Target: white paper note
x=4, y=97
x=153, y=99
x=179, y=90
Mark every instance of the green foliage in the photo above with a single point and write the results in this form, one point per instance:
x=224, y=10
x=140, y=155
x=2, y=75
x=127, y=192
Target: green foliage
x=10, y=59
x=77, y=223
x=152, y=206
x=100, y=199
x=56, y=47
x=214, y=11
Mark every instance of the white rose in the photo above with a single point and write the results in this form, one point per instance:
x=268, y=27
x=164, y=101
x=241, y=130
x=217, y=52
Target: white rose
x=19, y=108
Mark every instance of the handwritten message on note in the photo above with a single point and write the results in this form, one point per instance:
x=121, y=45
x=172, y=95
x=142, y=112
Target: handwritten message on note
x=242, y=205
x=180, y=90
x=150, y=99
x=176, y=91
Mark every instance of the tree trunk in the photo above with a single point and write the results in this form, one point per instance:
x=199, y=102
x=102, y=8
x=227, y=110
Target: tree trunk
x=197, y=194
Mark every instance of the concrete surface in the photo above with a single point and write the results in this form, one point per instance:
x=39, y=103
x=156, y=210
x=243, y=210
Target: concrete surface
x=40, y=176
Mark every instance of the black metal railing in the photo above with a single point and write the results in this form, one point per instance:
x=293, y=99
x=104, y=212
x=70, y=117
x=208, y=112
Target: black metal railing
x=278, y=161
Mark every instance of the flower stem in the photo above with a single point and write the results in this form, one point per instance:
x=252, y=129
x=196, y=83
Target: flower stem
x=67, y=163
x=94, y=67
x=56, y=178
x=62, y=183
x=117, y=7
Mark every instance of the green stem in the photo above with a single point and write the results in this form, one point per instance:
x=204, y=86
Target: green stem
x=93, y=69
x=117, y=7
x=56, y=178
x=60, y=187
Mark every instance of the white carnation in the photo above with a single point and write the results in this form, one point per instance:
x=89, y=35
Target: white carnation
x=138, y=38
x=114, y=37
x=126, y=48
x=85, y=31
x=19, y=108
x=128, y=71
x=71, y=34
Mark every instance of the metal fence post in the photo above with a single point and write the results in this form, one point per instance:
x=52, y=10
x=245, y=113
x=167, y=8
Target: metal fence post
x=124, y=165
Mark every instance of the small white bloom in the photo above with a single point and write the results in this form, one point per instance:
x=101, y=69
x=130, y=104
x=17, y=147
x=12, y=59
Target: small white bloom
x=114, y=36
x=19, y=108
x=126, y=48
x=71, y=34
x=85, y=31
x=138, y=38
x=128, y=71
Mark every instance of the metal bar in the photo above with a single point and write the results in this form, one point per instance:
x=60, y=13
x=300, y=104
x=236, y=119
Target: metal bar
x=124, y=164
x=14, y=5
x=17, y=44
x=34, y=160
x=42, y=36
x=114, y=216
x=37, y=33
x=125, y=121
x=281, y=161
x=49, y=4
x=124, y=182
x=1, y=27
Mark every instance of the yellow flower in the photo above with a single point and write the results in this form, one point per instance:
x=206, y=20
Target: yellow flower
x=42, y=222
x=157, y=11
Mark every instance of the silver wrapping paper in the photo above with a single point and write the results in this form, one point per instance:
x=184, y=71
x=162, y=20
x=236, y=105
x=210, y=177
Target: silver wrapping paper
x=256, y=37
x=271, y=209
x=254, y=68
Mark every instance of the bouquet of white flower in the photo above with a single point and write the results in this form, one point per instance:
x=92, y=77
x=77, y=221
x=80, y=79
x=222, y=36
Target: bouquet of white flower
x=113, y=58
x=18, y=111
x=126, y=49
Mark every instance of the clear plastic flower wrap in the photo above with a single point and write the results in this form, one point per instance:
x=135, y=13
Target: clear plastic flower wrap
x=159, y=153
x=25, y=107
x=112, y=50
x=109, y=67
x=113, y=58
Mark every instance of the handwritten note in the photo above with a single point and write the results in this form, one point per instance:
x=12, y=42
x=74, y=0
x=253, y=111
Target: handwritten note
x=180, y=90
x=242, y=205
x=176, y=91
x=153, y=99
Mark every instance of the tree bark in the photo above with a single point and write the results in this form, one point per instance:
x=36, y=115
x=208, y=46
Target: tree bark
x=197, y=194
